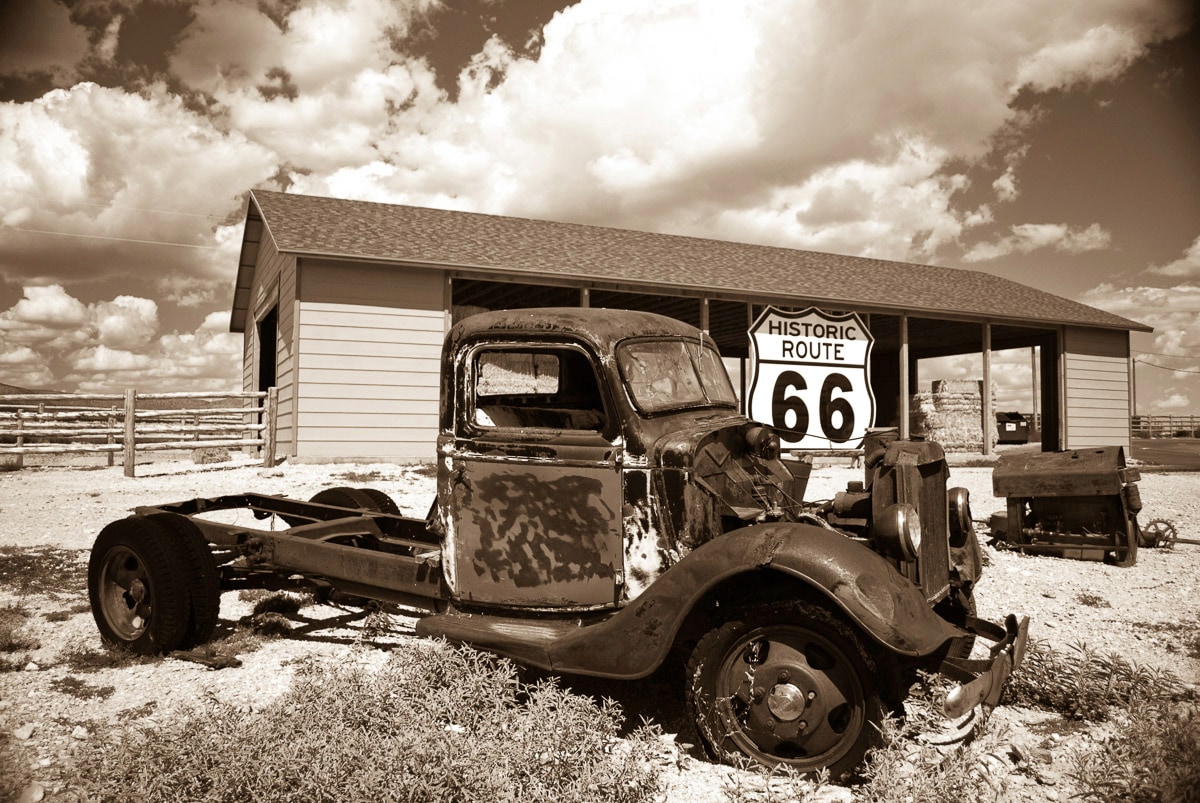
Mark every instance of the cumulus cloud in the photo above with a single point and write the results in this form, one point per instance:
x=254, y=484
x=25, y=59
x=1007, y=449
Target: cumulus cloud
x=96, y=180
x=1175, y=401
x=817, y=125
x=1186, y=267
x=1028, y=237
x=1174, y=312
x=50, y=339
x=1011, y=375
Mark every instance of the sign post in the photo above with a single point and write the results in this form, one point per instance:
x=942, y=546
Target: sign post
x=810, y=378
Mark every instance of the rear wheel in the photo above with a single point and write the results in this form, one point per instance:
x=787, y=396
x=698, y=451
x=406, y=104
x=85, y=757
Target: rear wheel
x=787, y=683
x=203, y=577
x=354, y=498
x=138, y=586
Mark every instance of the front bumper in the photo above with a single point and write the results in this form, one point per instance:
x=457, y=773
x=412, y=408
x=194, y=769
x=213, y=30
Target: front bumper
x=982, y=680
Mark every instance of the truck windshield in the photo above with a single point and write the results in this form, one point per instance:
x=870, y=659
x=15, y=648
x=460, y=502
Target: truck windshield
x=673, y=374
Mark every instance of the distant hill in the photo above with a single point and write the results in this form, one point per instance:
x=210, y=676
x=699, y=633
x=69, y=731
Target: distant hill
x=143, y=404
x=13, y=390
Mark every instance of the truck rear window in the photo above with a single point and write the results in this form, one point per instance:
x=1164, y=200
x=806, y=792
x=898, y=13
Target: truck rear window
x=553, y=388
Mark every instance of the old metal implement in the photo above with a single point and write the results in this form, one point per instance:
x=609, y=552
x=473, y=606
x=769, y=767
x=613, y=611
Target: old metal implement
x=1079, y=504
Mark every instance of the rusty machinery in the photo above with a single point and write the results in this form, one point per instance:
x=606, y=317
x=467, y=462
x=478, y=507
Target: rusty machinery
x=1077, y=504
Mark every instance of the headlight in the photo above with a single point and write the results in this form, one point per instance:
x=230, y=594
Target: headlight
x=898, y=531
x=763, y=443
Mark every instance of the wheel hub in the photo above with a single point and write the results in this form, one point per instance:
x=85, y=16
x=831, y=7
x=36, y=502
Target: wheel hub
x=787, y=702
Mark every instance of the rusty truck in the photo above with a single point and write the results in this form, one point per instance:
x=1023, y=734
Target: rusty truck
x=604, y=508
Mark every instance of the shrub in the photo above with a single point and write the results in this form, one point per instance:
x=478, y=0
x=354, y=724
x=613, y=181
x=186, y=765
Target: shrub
x=432, y=724
x=1151, y=757
x=1083, y=684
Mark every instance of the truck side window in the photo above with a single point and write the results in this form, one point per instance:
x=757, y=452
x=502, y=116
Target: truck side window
x=553, y=388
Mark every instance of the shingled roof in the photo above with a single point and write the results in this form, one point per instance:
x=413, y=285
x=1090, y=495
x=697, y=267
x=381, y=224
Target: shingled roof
x=306, y=225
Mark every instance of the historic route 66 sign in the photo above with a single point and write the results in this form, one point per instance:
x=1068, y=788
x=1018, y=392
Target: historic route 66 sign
x=810, y=377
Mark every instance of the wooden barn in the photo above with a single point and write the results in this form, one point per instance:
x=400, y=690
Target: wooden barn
x=344, y=305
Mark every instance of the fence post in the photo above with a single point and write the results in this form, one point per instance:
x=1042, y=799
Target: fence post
x=268, y=435
x=130, y=439
x=20, y=426
x=112, y=422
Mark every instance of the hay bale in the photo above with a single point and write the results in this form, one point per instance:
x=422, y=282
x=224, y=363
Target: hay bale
x=952, y=415
x=210, y=454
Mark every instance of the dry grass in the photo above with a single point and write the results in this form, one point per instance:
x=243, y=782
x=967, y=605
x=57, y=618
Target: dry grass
x=435, y=724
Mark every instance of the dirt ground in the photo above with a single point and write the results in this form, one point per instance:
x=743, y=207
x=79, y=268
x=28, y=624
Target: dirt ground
x=1146, y=614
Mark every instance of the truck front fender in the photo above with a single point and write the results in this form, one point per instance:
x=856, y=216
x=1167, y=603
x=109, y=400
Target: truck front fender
x=633, y=642
x=866, y=588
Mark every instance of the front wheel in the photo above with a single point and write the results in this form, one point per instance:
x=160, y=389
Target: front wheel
x=787, y=683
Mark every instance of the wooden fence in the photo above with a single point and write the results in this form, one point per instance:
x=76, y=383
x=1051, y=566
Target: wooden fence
x=109, y=423
x=1165, y=426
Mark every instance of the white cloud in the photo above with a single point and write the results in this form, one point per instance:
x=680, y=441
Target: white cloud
x=126, y=322
x=1097, y=54
x=51, y=339
x=105, y=172
x=1187, y=266
x=1006, y=185
x=1028, y=237
x=1176, y=401
x=46, y=306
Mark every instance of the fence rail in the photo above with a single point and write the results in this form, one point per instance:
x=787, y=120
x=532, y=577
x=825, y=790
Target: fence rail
x=132, y=422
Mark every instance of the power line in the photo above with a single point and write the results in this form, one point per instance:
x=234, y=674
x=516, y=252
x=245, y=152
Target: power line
x=1164, y=354
x=117, y=239
x=1166, y=367
x=39, y=199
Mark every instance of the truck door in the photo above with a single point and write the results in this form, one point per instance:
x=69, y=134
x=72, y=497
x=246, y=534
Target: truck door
x=534, y=490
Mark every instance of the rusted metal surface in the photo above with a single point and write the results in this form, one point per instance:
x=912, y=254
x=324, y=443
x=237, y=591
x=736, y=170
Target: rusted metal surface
x=1079, y=504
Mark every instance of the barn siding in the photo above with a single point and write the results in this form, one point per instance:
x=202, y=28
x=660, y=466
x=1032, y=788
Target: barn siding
x=369, y=342
x=274, y=285
x=1097, y=396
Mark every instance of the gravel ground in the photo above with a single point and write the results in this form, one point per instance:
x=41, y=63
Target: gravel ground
x=1146, y=614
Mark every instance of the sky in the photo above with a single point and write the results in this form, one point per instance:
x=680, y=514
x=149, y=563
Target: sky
x=1054, y=144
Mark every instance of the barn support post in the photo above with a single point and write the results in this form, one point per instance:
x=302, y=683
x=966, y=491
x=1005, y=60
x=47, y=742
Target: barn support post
x=905, y=401
x=130, y=439
x=268, y=435
x=985, y=393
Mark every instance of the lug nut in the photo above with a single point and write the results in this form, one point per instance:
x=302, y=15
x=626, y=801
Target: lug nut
x=803, y=726
x=784, y=676
x=812, y=695
x=758, y=692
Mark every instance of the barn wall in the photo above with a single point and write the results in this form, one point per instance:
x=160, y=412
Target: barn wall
x=370, y=342
x=274, y=285
x=1096, y=363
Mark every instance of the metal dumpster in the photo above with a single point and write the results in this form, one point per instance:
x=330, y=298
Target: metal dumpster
x=1012, y=428
x=1079, y=504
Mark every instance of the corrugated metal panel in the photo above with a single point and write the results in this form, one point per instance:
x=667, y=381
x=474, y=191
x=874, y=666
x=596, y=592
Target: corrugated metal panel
x=369, y=360
x=1097, y=388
